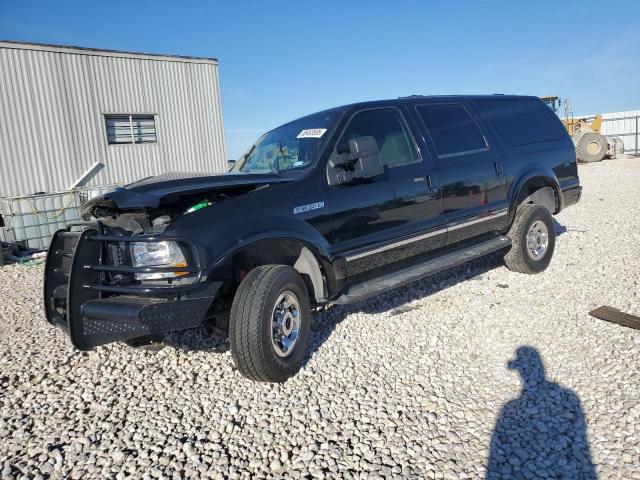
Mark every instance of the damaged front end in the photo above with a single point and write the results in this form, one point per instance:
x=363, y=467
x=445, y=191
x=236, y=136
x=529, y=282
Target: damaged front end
x=130, y=276
x=95, y=289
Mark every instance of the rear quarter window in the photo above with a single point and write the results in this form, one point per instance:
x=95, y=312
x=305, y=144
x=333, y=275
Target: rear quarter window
x=521, y=121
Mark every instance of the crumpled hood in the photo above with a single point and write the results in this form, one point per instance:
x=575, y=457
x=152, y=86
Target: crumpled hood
x=149, y=192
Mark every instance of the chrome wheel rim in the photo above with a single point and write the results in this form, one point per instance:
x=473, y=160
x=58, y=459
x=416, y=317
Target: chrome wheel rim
x=537, y=240
x=285, y=324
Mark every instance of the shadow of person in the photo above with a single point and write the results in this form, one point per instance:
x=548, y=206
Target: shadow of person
x=542, y=433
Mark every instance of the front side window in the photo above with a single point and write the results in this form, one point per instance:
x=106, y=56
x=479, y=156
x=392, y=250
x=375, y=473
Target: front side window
x=293, y=146
x=387, y=127
x=130, y=128
x=451, y=129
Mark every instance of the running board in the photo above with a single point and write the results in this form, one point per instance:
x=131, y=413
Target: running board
x=368, y=289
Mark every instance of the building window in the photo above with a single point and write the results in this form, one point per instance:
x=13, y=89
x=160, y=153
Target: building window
x=130, y=128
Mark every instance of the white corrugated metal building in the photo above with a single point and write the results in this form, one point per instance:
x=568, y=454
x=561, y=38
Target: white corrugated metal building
x=625, y=125
x=64, y=108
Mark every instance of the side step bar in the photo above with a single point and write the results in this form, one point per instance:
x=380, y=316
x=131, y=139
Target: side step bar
x=373, y=287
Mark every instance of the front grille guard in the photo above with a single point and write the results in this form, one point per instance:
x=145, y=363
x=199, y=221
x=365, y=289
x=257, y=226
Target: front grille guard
x=77, y=272
x=101, y=267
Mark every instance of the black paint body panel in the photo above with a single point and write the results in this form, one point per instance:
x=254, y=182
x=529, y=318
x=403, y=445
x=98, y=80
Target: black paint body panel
x=368, y=227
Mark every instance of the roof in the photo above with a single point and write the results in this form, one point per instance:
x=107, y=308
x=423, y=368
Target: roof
x=100, y=52
x=412, y=99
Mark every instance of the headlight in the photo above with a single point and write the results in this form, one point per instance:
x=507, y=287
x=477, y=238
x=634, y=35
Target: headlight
x=157, y=254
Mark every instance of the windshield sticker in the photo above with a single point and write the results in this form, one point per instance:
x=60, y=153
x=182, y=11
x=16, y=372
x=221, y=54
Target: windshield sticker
x=307, y=208
x=312, y=133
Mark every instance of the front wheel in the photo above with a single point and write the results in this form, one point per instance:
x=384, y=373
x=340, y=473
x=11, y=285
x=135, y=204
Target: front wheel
x=533, y=240
x=270, y=323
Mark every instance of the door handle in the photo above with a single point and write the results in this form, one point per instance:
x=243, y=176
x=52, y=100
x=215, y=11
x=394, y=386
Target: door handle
x=427, y=179
x=432, y=189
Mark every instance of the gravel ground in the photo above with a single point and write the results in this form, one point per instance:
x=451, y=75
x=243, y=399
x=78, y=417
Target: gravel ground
x=475, y=372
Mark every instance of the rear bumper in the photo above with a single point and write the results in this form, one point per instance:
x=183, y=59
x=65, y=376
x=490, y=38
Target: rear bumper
x=571, y=193
x=94, y=313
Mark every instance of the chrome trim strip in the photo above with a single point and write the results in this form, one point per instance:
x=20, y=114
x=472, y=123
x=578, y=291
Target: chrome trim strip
x=395, y=245
x=478, y=220
x=424, y=236
x=464, y=152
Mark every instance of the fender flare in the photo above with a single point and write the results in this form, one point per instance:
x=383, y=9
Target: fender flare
x=548, y=177
x=314, y=259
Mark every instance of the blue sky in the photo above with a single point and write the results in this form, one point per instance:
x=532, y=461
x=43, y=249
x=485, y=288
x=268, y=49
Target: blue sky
x=280, y=60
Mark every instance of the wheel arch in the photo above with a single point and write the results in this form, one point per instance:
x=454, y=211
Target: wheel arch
x=309, y=259
x=538, y=187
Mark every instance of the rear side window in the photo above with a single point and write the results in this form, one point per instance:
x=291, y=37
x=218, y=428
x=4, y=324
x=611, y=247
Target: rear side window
x=387, y=127
x=451, y=129
x=521, y=121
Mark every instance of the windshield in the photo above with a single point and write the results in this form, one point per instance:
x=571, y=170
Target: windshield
x=293, y=146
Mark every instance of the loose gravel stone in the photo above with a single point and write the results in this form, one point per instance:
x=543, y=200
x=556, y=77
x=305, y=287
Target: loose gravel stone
x=475, y=372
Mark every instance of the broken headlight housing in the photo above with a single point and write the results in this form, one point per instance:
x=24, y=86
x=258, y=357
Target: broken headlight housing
x=158, y=254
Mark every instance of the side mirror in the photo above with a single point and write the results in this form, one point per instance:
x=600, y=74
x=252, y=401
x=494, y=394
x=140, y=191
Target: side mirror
x=231, y=163
x=362, y=161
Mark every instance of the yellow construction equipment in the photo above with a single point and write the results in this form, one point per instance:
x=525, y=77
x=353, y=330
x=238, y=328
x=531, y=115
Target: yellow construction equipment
x=591, y=145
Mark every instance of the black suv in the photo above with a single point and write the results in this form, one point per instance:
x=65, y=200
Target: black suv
x=329, y=209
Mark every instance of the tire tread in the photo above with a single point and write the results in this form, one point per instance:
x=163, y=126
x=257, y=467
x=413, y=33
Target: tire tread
x=515, y=257
x=245, y=322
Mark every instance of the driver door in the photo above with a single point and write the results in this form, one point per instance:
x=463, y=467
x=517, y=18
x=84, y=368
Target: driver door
x=369, y=216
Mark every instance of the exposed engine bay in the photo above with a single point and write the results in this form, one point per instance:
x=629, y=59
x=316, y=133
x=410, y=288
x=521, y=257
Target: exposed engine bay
x=150, y=205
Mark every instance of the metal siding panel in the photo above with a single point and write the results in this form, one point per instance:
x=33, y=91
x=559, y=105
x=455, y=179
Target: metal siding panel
x=17, y=120
x=219, y=127
x=625, y=127
x=52, y=128
x=208, y=120
x=9, y=153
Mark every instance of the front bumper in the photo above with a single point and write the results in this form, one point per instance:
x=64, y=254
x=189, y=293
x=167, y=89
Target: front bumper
x=80, y=297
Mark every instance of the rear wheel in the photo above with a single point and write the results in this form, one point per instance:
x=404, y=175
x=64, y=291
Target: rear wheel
x=269, y=324
x=533, y=240
x=591, y=147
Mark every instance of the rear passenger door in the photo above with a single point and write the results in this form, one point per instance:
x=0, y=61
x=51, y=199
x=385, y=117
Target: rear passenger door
x=474, y=195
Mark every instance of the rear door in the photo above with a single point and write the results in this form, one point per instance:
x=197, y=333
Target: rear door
x=474, y=195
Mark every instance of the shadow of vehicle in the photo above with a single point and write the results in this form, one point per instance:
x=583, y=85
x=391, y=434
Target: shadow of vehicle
x=542, y=433
x=210, y=337
x=395, y=300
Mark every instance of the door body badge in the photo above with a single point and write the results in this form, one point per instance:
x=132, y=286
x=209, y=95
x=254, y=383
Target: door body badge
x=308, y=207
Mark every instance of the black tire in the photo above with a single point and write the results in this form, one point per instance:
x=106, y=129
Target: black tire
x=521, y=258
x=591, y=147
x=250, y=324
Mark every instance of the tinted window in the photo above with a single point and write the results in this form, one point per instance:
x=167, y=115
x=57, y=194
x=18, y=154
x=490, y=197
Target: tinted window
x=451, y=128
x=387, y=128
x=521, y=121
